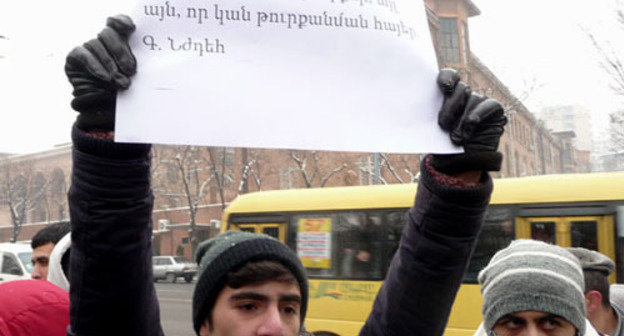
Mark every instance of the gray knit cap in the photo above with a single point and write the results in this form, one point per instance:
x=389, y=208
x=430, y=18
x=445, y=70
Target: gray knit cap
x=593, y=261
x=229, y=252
x=533, y=275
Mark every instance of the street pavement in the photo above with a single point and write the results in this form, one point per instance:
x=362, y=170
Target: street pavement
x=175, y=307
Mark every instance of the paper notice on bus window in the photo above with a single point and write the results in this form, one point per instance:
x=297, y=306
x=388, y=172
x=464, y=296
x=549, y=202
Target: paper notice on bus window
x=347, y=75
x=314, y=242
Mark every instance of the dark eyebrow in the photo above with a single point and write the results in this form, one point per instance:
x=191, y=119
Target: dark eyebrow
x=248, y=296
x=510, y=317
x=551, y=316
x=506, y=316
x=40, y=258
x=291, y=298
x=261, y=297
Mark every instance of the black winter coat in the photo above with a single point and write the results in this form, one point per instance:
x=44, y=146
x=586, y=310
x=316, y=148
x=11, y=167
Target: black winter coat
x=427, y=269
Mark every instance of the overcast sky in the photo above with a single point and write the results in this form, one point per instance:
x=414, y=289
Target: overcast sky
x=519, y=40
x=525, y=41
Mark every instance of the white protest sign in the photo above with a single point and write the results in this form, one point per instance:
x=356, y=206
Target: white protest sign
x=350, y=75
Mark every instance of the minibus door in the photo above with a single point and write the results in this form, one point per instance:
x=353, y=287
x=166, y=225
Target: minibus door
x=591, y=232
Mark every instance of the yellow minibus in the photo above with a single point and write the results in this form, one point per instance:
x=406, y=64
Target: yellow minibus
x=346, y=236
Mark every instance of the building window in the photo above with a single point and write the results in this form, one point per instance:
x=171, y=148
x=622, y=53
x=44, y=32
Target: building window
x=185, y=240
x=449, y=40
x=223, y=156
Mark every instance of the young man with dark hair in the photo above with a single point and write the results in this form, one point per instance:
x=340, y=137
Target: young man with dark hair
x=606, y=318
x=245, y=277
x=112, y=292
x=42, y=244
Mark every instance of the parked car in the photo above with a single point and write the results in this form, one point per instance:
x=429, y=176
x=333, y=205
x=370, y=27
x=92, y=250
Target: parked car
x=15, y=261
x=171, y=268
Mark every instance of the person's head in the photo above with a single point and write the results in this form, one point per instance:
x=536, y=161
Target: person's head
x=42, y=244
x=532, y=288
x=596, y=269
x=248, y=284
x=33, y=308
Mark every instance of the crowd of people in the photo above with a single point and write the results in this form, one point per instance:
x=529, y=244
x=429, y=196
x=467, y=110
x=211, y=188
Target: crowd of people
x=100, y=274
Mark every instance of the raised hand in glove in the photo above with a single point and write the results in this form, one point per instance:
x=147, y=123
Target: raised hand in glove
x=97, y=70
x=474, y=122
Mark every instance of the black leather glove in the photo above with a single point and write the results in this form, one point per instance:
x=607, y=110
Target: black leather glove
x=97, y=70
x=474, y=122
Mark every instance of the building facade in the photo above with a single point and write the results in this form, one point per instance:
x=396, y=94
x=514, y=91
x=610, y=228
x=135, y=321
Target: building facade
x=192, y=185
x=570, y=118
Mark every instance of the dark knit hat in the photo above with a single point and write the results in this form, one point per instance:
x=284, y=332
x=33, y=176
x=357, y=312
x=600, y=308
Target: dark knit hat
x=593, y=261
x=229, y=252
x=533, y=275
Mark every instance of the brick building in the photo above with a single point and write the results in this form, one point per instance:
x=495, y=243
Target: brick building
x=193, y=184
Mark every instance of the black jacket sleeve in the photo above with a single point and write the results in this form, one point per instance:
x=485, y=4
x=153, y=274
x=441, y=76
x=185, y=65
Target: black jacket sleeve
x=427, y=269
x=110, y=201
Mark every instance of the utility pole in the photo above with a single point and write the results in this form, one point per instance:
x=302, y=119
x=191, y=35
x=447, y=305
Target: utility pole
x=376, y=167
x=512, y=159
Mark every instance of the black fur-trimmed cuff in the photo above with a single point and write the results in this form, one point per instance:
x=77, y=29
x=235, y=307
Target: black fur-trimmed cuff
x=460, y=163
x=108, y=148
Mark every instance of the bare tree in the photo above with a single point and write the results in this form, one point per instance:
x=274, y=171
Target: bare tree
x=389, y=162
x=529, y=87
x=308, y=166
x=186, y=179
x=613, y=66
x=610, y=60
x=19, y=193
x=156, y=154
x=221, y=162
x=57, y=194
x=250, y=171
x=413, y=172
x=368, y=170
x=187, y=176
x=388, y=165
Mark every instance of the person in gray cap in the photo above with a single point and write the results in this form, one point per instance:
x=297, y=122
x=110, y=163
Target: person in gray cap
x=605, y=317
x=533, y=288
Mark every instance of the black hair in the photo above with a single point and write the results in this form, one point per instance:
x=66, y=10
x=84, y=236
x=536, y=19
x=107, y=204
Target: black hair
x=597, y=281
x=50, y=234
x=258, y=272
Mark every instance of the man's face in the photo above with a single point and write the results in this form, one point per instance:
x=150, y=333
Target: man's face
x=269, y=309
x=40, y=258
x=533, y=323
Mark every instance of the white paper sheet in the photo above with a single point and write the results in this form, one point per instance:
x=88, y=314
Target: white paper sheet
x=348, y=75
